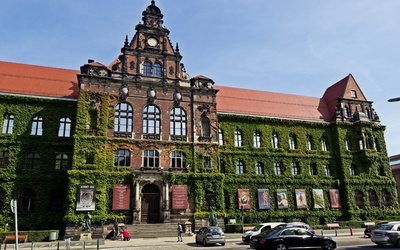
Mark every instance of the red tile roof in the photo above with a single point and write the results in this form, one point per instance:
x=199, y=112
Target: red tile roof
x=269, y=104
x=24, y=79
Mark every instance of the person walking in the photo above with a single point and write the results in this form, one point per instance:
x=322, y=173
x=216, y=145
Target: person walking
x=180, y=231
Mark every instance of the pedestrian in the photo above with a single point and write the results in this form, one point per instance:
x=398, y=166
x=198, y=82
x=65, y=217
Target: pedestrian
x=125, y=235
x=180, y=231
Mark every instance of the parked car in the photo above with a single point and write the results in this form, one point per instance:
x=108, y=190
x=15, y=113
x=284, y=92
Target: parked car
x=386, y=234
x=210, y=235
x=368, y=230
x=284, y=238
x=259, y=229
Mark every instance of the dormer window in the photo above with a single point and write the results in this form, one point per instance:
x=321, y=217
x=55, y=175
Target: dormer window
x=353, y=94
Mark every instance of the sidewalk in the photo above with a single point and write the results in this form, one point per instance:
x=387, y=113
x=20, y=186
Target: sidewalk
x=162, y=241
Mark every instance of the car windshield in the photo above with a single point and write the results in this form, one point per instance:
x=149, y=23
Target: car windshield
x=256, y=228
x=214, y=230
x=386, y=227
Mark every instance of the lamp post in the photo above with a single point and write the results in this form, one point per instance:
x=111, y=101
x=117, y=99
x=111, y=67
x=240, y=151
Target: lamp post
x=242, y=209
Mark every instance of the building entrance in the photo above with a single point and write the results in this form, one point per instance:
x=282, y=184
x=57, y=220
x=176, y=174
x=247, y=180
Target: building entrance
x=150, y=204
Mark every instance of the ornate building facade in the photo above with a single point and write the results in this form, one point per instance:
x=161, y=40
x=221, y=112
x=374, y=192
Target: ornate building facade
x=140, y=141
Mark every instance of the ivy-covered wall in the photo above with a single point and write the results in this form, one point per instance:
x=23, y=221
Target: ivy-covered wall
x=47, y=209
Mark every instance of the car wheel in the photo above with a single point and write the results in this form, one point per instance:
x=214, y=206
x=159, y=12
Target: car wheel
x=398, y=243
x=195, y=239
x=380, y=244
x=204, y=242
x=222, y=244
x=281, y=246
x=328, y=245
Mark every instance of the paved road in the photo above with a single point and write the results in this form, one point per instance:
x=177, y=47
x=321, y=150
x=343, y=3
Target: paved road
x=234, y=241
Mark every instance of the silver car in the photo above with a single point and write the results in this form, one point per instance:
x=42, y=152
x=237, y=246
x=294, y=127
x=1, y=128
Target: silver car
x=210, y=235
x=386, y=234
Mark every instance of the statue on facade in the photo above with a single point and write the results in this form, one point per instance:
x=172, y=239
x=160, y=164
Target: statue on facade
x=212, y=218
x=86, y=222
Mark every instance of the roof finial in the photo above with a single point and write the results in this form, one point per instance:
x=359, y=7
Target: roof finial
x=126, y=41
x=177, y=47
x=153, y=2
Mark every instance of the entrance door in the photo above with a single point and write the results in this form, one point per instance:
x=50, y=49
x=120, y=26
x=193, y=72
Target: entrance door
x=150, y=204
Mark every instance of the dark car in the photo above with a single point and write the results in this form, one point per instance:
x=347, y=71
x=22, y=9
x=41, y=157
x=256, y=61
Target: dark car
x=210, y=235
x=291, y=238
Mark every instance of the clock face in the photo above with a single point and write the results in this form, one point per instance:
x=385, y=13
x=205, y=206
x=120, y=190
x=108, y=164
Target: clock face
x=152, y=41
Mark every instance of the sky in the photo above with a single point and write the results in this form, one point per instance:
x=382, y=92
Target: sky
x=286, y=46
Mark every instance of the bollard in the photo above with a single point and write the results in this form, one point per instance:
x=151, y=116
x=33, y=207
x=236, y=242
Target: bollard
x=322, y=232
x=98, y=244
x=336, y=232
x=83, y=245
x=351, y=231
x=33, y=246
x=58, y=245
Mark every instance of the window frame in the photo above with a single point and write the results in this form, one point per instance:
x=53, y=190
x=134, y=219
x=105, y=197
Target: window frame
x=8, y=123
x=122, y=157
x=238, y=138
x=65, y=127
x=37, y=126
x=123, y=118
x=151, y=159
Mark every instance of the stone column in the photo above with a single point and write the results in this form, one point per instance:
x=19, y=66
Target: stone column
x=136, y=211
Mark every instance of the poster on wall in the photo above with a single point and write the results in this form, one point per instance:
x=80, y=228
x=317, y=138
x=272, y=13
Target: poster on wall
x=281, y=195
x=244, y=199
x=318, y=197
x=301, y=199
x=179, y=197
x=264, y=201
x=335, y=198
x=86, y=198
x=121, y=197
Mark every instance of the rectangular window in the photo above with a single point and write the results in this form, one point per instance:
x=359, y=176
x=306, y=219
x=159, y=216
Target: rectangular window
x=353, y=94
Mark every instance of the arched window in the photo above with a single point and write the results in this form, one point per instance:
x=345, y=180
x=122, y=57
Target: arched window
x=205, y=127
x=309, y=142
x=373, y=199
x=292, y=141
x=359, y=198
x=61, y=161
x=3, y=196
x=377, y=146
x=257, y=139
x=368, y=113
x=295, y=168
x=239, y=167
x=222, y=166
x=147, y=68
x=37, y=123
x=324, y=144
x=32, y=161
x=277, y=168
x=151, y=122
x=4, y=157
x=177, y=124
x=151, y=159
x=348, y=143
x=65, y=127
x=28, y=198
x=122, y=158
x=123, y=118
x=8, y=124
x=353, y=170
x=259, y=167
x=346, y=112
x=220, y=137
x=238, y=138
x=275, y=140
x=157, y=69
x=387, y=199
x=178, y=160
x=313, y=169
x=327, y=170
x=368, y=141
